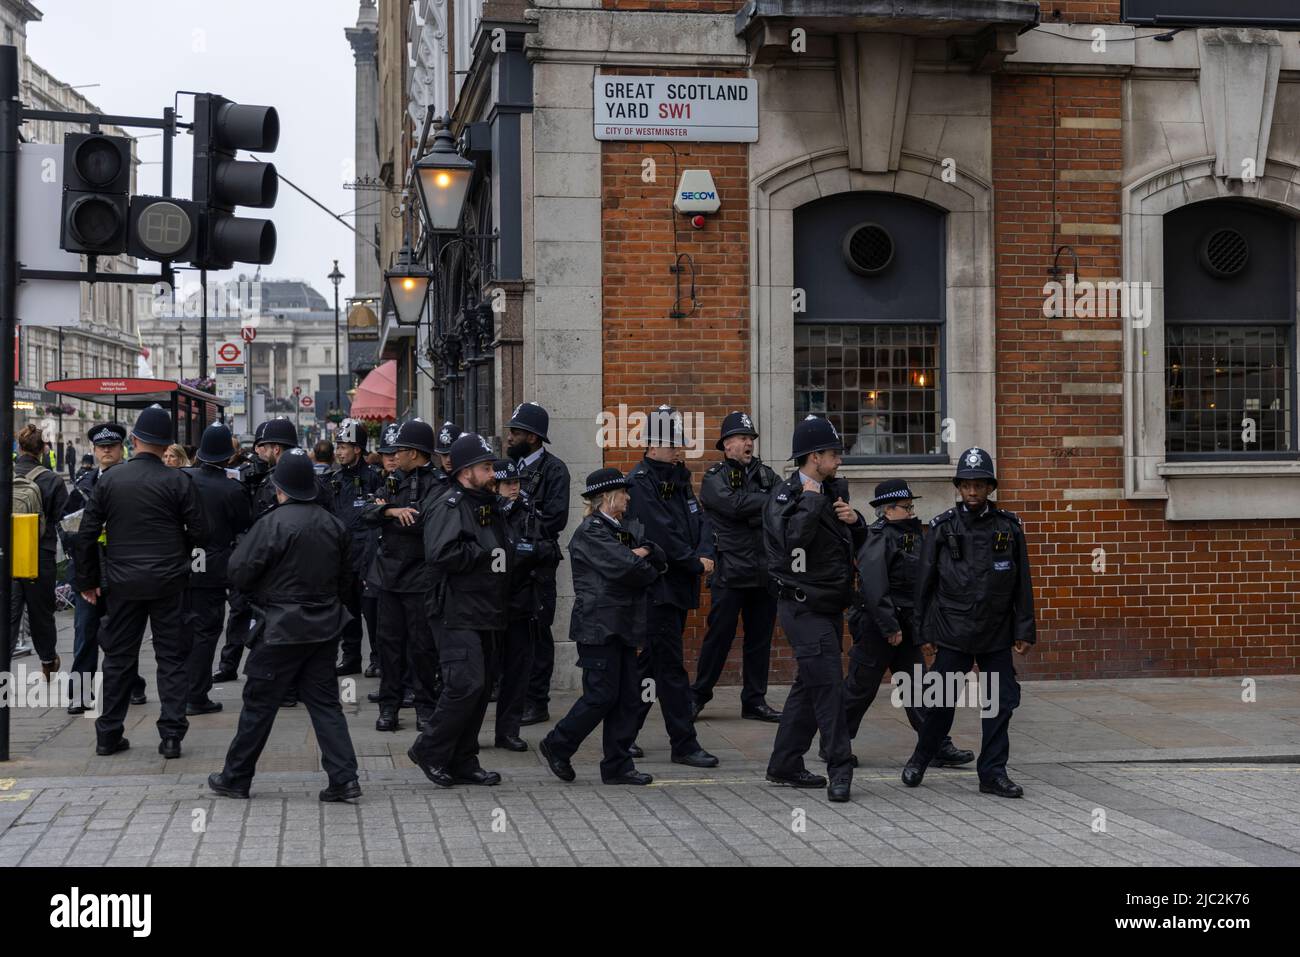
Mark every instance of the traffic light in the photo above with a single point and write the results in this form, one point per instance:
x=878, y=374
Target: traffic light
x=222, y=182
x=163, y=229
x=96, y=181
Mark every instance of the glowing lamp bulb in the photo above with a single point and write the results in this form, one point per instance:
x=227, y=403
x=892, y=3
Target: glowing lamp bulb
x=442, y=180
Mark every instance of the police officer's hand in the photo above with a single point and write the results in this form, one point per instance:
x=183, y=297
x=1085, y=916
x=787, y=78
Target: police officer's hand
x=642, y=551
x=896, y=638
x=708, y=565
x=406, y=516
x=91, y=595
x=844, y=512
x=381, y=501
x=1021, y=647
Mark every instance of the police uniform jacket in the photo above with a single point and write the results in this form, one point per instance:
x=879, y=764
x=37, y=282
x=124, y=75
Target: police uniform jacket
x=663, y=501
x=611, y=584
x=534, y=555
x=546, y=483
x=352, y=490
x=887, y=563
x=54, y=496
x=399, y=562
x=226, y=516
x=82, y=486
x=820, y=574
x=468, y=549
x=264, y=496
x=973, y=591
x=293, y=564
x=153, y=520
x=733, y=496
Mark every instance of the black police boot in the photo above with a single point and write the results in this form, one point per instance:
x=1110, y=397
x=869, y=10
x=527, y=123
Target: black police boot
x=1003, y=787
x=634, y=750
x=561, y=768
x=512, y=742
x=387, y=720
x=373, y=670
x=224, y=677
x=439, y=776
x=218, y=783
x=139, y=697
x=349, y=666
x=487, y=779
x=697, y=759
x=423, y=720
x=950, y=756
x=170, y=747
x=372, y=696
x=804, y=779
x=534, y=715
x=206, y=706
x=761, y=712
x=838, y=790
x=913, y=772
x=821, y=756
x=104, y=750
x=633, y=777
x=341, y=792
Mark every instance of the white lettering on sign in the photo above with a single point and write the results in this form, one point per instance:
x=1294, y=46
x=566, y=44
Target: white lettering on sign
x=662, y=108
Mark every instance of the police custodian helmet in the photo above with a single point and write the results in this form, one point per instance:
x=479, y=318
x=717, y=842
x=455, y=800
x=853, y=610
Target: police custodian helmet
x=278, y=431
x=295, y=476
x=530, y=417
x=388, y=439
x=975, y=463
x=352, y=432
x=416, y=434
x=216, y=446
x=736, y=423
x=814, y=434
x=470, y=449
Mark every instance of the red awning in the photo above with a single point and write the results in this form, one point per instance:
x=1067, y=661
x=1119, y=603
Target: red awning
x=376, y=396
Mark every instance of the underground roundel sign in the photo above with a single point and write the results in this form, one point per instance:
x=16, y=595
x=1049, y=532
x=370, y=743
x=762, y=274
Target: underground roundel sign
x=228, y=352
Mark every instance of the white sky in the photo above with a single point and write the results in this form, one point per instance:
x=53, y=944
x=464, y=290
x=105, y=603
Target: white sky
x=290, y=54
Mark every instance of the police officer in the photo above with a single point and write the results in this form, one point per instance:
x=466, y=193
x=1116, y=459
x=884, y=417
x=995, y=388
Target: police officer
x=535, y=554
x=353, y=487
x=468, y=547
x=733, y=494
x=227, y=515
x=293, y=564
x=811, y=533
x=974, y=603
x=881, y=621
x=388, y=484
x=663, y=501
x=404, y=579
x=107, y=440
x=448, y=433
x=153, y=521
x=613, y=570
x=545, y=480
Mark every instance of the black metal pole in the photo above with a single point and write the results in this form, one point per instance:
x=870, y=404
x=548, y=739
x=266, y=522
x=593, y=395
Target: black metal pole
x=338, y=388
x=203, y=326
x=180, y=348
x=10, y=111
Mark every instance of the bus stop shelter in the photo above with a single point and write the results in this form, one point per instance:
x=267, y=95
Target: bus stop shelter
x=192, y=410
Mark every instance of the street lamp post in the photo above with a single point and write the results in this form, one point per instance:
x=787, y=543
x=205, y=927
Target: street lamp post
x=180, y=347
x=336, y=277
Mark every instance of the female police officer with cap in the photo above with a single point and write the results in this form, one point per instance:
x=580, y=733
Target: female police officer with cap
x=613, y=570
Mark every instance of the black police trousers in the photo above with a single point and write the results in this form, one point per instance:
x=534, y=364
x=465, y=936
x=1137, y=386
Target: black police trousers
x=543, y=666
x=37, y=594
x=408, y=656
x=662, y=661
x=272, y=672
x=611, y=693
x=1004, y=698
x=203, y=614
x=451, y=738
x=120, y=639
x=758, y=606
x=87, y=620
x=360, y=607
x=816, y=699
x=236, y=628
x=516, y=661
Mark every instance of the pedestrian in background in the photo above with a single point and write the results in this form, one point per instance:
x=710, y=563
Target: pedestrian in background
x=176, y=458
x=37, y=594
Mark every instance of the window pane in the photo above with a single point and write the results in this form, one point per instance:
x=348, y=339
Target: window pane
x=877, y=383
x=1228, y=389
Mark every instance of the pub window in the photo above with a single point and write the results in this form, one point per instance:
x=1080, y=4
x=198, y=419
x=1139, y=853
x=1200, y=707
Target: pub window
x=868, y=342
x=1230, y=296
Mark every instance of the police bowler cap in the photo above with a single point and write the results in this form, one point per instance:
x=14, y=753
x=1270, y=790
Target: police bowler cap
x=352, y=432
x=110, y=433
x=505, y=470
x=470, y=449
x=530, y=417
x=295, y=475
x=814, y=434
x=975, y=463
x=448, y=434
x=890, y=491
x=416, y=434
x=388, y=439
x=216, y=446
x=278, y=432
x=154, y=426
x=736, y=423
x=603, y=480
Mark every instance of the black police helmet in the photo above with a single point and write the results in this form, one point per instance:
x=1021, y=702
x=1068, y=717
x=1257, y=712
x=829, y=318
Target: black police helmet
x=448, y=434
x=470, y=449
x=388, y=439
x=736, y=423
x=416, y=434
x=665, y=427
x=278, y=432
x=814, y=434
x=603, y=480
x=110, y=433
x=154, y=426
x=295, y=475
x=216, y=446
x=530, y=417
x=352, y=432
x=975, y=463
x=890, y=491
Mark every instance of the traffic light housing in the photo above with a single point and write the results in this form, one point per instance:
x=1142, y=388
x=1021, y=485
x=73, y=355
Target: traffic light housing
x=222, y=182
x=163, y=229
x=96, y=184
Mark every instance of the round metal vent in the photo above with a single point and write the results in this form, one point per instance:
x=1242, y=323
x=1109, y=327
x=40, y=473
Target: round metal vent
x=1224, y=253
x=868, y=249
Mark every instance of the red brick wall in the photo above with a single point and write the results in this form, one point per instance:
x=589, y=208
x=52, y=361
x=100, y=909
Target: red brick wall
x=1176, y=598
